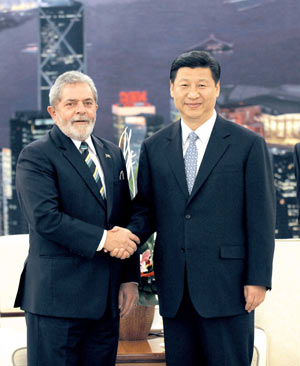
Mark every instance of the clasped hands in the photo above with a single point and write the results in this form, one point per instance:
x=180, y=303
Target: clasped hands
x=120, y=242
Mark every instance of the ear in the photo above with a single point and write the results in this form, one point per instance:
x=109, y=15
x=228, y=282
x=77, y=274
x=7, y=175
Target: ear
x=171, y=89
x=218, y=88
x=51, y=110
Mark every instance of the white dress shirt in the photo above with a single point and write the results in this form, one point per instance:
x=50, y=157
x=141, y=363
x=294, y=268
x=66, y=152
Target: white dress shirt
x=95, y=159
x=203, y=132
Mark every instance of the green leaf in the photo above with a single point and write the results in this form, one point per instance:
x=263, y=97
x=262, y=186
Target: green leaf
x=147, y=299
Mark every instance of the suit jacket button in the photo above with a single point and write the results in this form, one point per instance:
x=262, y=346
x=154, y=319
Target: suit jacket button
x=182, y=250
x=188, y=216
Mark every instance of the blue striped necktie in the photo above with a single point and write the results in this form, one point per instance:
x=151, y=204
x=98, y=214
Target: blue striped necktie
x=190, y=161
x=84, y=149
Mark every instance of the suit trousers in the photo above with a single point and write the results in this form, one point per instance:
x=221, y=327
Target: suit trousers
x=71, y=342
x=192, y=340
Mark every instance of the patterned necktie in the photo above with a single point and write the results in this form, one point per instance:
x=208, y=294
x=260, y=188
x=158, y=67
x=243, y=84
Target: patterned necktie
x=84, y=149
x=190, y=161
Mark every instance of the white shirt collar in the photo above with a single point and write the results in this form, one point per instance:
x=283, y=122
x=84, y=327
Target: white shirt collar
x=203, y=132
x=89, y=141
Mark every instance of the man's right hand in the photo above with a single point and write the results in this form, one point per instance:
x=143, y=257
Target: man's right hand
x=120, y=242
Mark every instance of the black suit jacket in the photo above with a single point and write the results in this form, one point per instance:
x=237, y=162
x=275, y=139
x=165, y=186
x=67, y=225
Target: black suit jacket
x=223, y=233
x=64, y=276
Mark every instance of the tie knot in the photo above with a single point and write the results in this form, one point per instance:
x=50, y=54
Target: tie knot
x=193, y=136
x=83, y=146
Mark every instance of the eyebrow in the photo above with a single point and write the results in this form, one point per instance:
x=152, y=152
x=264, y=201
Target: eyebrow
x=184, y=79
x=76, y=100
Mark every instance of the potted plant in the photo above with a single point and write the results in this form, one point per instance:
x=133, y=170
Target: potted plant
x=147, y=287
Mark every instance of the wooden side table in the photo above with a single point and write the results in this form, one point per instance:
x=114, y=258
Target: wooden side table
x=150, y=352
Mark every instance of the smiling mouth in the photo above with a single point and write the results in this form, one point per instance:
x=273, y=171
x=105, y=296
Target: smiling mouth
x=193, y=105
x=82, y=121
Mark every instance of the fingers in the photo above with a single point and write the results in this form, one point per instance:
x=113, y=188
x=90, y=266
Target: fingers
x=129, y=306
x=128, y=297
x=131, y=236
x=115, y=229
x=120, y=253
x=130, y=247
x=254, y=296
x=134, y=238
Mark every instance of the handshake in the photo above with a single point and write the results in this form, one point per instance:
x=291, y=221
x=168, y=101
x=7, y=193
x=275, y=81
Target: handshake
x=120, y=242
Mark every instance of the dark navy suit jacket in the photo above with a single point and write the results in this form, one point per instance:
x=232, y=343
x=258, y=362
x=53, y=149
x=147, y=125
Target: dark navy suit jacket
x=222, y=235
x=64, y=275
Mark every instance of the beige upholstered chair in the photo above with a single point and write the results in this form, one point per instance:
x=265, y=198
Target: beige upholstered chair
x=19, y=357
x=279, y=314
x=13, y=251
x=260, y=348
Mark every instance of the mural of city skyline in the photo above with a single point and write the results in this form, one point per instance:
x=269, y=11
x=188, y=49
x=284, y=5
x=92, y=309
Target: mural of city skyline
x=127, y=47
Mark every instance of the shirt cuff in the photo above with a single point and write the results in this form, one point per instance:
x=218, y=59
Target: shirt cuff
x=101, y=245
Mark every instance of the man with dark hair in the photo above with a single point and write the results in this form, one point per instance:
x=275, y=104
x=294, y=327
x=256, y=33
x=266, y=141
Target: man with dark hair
x=205, y=185
x=73, y=190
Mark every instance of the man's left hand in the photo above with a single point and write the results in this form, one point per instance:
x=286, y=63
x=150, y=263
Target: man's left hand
x=128, y=297
x=254, y=296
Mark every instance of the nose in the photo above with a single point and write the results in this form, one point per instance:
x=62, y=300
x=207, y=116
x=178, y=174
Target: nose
x=193, y=93
x=80, y=108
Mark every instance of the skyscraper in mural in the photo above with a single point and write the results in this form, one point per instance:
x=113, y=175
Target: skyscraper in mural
x=132, y=111
x=61, y=43
x=5, y=189
x=25, y=127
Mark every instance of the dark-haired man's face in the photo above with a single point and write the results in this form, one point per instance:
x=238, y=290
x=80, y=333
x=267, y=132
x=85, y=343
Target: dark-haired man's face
x=195, y=93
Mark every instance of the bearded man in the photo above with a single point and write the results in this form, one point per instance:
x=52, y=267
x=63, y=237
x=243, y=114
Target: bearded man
x=73, y=191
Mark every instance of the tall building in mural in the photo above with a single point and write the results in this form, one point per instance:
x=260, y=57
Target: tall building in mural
x=25, y=127
x=5, y=189
x=61, y=43
x=154, y=123
x=285, y=185
x=132, y=112
x=1, y=197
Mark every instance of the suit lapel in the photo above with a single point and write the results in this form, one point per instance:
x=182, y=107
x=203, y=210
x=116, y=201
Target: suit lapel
x=71, y=153
x=174, y=155
x=217, y=145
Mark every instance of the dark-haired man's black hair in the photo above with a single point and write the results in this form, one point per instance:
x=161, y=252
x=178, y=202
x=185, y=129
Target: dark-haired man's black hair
x=195, y=59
